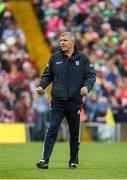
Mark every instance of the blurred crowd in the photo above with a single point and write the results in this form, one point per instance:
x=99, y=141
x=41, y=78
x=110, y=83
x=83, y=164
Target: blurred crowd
x=100, y=28
x=19, y=75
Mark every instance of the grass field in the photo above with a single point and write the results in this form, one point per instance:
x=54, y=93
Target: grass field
x=97, y=160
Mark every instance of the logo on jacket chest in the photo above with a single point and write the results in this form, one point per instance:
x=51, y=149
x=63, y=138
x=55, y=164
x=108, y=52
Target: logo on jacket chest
x=59, y=62
x=77, y=63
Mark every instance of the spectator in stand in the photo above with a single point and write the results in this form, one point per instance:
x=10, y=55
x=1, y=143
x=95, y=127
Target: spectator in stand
x=23, y=108
x=13, y=32
x=40, y=105
x=54, y=23
x=5, y=115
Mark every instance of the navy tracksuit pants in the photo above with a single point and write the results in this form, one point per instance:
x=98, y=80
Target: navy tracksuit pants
x=59, y=109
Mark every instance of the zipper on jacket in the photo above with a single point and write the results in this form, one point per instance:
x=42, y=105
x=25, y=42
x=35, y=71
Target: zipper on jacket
x=67, y=76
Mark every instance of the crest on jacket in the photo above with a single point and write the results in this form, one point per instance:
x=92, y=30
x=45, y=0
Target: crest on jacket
x=77, y=63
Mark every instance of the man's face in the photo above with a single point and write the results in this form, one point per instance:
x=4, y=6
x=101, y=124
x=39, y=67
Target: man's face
x=66, y=43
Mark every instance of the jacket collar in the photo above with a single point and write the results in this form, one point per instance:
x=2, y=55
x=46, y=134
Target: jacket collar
x=76, y=54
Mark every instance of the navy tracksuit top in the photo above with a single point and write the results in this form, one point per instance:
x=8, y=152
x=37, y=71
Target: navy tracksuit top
x=68, y=76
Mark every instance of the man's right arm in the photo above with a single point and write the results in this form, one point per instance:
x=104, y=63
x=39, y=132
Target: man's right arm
x=46, y=78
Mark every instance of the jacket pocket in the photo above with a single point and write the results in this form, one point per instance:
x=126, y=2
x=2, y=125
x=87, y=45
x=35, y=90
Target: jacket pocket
x=59, y=93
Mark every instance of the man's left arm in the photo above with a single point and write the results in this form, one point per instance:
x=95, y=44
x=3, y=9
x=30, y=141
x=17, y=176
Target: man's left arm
x=90, y=77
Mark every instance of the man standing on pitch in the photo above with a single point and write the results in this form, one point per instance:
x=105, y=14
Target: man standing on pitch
x=72, y=76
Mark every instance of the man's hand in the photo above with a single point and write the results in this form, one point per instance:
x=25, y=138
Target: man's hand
x=40, y=90
x=84, y=91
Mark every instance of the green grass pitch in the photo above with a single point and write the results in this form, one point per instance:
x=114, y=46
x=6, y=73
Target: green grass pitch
x=97, y=160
